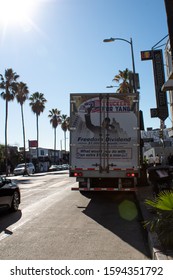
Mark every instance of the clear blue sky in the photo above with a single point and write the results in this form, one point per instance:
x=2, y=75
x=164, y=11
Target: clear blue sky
x=57, y=48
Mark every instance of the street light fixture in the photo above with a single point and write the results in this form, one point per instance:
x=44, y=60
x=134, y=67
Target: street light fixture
x=132, y=54
x=111, y=86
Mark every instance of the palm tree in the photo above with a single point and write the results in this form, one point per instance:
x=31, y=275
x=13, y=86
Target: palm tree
x=21, y=96
x=55, y=120
x=37, y=105
x=123, y=78
x=162, y=221
x=8, y=85
x=65, y=126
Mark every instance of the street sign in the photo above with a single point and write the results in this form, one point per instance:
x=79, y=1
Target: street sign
x=33, y=143
x=159, y=78
x=134, y=78
x=146, y=55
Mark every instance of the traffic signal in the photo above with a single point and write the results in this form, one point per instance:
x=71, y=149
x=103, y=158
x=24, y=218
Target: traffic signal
x=161, y=133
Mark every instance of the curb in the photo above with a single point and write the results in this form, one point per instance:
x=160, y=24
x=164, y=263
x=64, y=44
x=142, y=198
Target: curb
x=155, y=248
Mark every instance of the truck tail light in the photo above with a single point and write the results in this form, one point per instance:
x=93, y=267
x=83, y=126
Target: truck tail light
x=131, y=175
x=78, y=174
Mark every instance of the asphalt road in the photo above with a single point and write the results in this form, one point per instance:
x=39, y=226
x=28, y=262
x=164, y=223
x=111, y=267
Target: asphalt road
x=56, y=223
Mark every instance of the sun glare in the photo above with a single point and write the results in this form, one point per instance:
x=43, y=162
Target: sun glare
x=15, y=10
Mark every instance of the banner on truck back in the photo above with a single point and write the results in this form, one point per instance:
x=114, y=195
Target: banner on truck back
x=104, y=125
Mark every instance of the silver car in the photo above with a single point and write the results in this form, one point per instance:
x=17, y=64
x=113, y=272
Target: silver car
x=20, y=169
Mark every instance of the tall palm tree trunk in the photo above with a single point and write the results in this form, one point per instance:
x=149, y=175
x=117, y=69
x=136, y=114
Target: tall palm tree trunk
x=65, y=141
x=54, y=144
x=37, y=136
x=6, y=148
x=23, y=127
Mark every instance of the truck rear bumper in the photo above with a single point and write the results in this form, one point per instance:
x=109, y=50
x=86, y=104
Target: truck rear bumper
x=104, y=189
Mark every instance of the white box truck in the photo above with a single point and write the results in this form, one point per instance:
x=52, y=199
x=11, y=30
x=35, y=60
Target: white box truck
x=104, y=141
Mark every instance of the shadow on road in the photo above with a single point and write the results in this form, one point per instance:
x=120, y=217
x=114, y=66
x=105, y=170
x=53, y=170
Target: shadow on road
x=118, y=213
x=7, y=219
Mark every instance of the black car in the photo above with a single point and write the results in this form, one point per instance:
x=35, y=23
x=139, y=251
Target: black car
x=9, y=194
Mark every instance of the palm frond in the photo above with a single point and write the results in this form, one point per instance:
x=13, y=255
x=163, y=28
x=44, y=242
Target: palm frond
x=164, y=201
x=162, y=220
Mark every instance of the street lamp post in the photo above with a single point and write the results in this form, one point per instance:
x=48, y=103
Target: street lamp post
x=132, y=54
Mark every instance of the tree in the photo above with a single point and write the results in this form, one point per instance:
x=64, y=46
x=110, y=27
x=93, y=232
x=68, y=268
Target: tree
x=21, y=96
x=13, y=155
x=65, y=126
x=8, y=86
x=123, y=78
x=37, y=105
x=55, y=120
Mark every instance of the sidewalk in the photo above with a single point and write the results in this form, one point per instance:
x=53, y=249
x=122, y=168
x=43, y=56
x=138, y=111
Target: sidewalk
x=156, y=249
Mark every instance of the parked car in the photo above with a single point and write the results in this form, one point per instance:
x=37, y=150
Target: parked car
x=65, y=166
x=53, y=167
x=20, y=169
x=9, y=194
x=60, y=167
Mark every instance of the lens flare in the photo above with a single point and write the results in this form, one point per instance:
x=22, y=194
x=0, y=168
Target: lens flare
x=128, y=210
x=15, y=10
